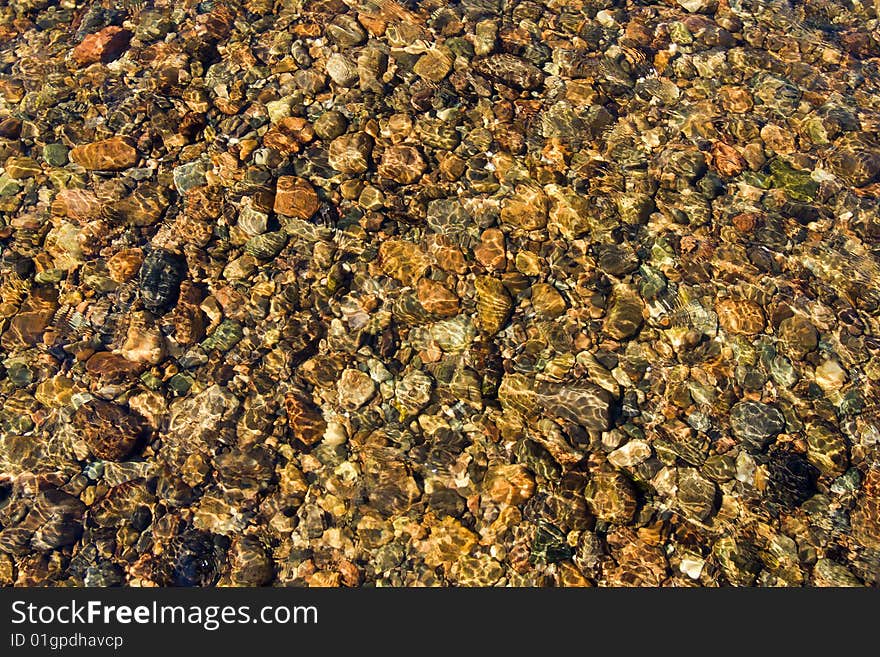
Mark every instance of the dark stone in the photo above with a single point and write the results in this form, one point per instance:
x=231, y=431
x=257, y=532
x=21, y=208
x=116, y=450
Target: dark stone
x=160, y=278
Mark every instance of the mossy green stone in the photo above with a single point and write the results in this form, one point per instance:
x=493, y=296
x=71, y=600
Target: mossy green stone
x=798, y=184
x=227, y=335
x=55, y=154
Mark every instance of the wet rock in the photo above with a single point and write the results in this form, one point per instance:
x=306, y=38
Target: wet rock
x=402, y=164
x=582, y=403
x=351, y=153
x=111, y=431
x=493, y=304
x=624, y=316
x=696, y=495
x=160, y=278
x=611, y=497
x=791, y=480
x=103, y=46
x=114, y=154
x=304, y=418
x=755, y=424
x=740, y=316
x=295, y=197
x=527, y=209
x=510, y=70
x=437, y=298
x=355, y=389
x=865, y=518
x=827, y=449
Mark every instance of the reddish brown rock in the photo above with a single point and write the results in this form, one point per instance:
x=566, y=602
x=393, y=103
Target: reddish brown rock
x=111, y=431
x=187, y=317
x=740, y=316
x=726, y=160
x=114, y=154
x=289, y=134
x=112, y=368
x=491, y=252
x=437, y=298
x=28, y=325
x=295, y=197
x=351, y=153
x=103, y=46
x=81, y=205
x=402, y=164
x=125, y=264
x=304, y=418
x=204, y=203
x=527, y=209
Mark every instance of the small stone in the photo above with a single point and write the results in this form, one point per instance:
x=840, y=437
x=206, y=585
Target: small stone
x=103, y=46
x=491, y=252
x=790, y=479
x=355, y=389
x=402, y=164
x=111, y=431
x=828, y=573
x=755, y=424
x=55, y=154
x=696, y=495
x=413, y=392
x=827, y=449
x=114, y=154
x=160, y=278
x=865, y=518
x=342, y=70
x=278, y=109
x=19, y=168
x=726, y=160
x=798, y=336
x=510, y=484
x=110, y=368
x=547, y=301
x=330, y=125
x=630, y=454
x=624, y=316
x=10, y=127
x=346, y=31
x=250, y=562
x=304, y=418
x=582, y=403
x=434, y=65
x=437, y=298
x=735, y=100
x=351, y=153
x=8, y=186
x=611, y=497
x=740, y=316
x=830, y=376
x=494, y=304
x=527, y=209
x=144, y=342
x=189, y=176
x=701, y=6
x=288, y=135
x=295, y=197
x=510, y=70
x=403, y=260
